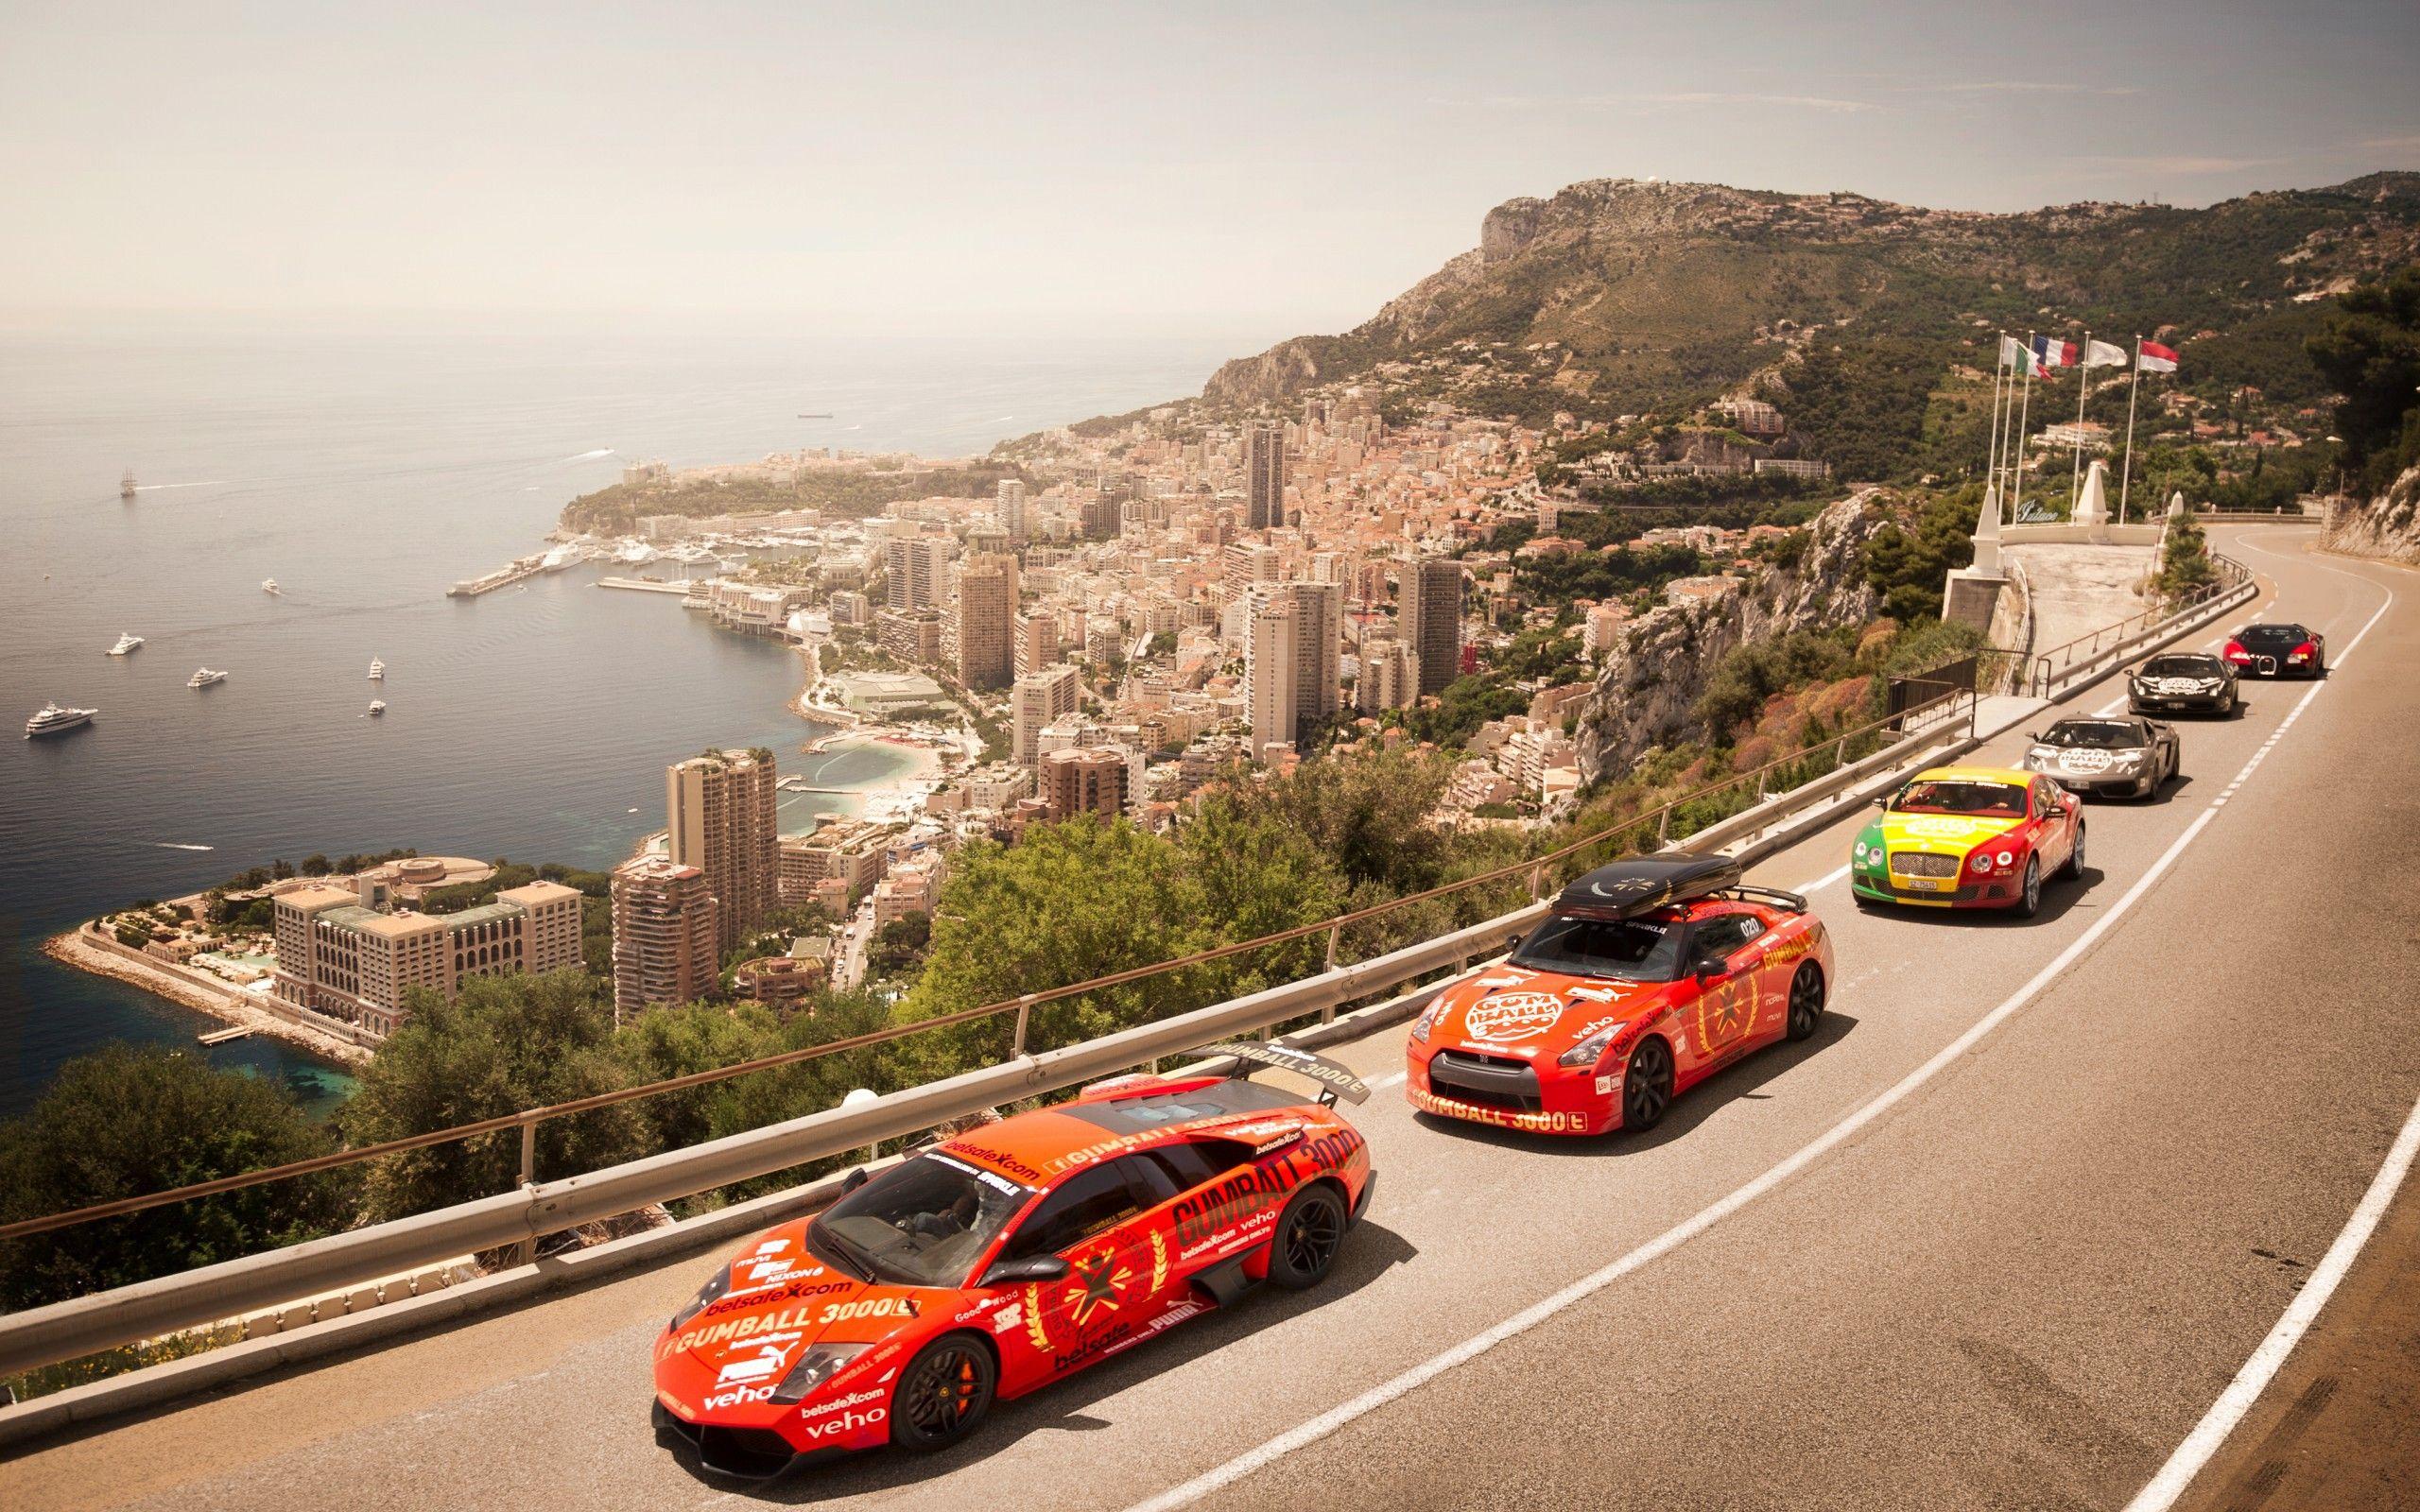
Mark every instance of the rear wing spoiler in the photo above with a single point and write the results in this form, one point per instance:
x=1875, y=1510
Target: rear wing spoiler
x=1335, y=1079
x=1769, y=897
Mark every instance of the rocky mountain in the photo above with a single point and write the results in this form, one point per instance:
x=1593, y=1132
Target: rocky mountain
x=1639, y=291
x=1657, y=671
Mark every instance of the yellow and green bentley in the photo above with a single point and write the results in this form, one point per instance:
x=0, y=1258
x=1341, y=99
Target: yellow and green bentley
x=1968, y=837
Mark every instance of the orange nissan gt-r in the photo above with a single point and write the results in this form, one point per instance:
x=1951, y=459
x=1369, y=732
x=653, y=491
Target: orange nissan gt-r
x=1648, y=976
x=998, y=1262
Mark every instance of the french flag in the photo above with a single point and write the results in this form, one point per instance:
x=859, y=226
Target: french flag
x=2054, y=354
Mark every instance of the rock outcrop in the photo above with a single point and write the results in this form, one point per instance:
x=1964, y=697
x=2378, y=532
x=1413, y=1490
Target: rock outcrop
x=1659, y=668
x=2387, y=526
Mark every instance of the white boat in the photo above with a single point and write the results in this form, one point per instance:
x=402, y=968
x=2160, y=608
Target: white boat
x=126, y=485
x=127, y=643
x=635, y=552
x=268, y=585
x=377, y=670
x=377, y=706
x=204, y=678
x=55, y=720
x=559, y=558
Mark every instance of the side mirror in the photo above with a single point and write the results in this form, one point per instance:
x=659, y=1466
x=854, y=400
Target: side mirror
x=1709, y=967
x=853, y=1180
x=2033, y=737
x=1883, y=801
x=1031, y=1268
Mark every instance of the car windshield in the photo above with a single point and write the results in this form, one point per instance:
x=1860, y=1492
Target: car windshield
x=1964, y=796
x=1635, y=950
x=2093, y=735
x=2182, y=666
x=2273, y=635
x=923, y=1223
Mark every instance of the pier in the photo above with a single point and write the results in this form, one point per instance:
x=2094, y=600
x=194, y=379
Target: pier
x=221, y=1037
x=519, y=569
x=647, y=585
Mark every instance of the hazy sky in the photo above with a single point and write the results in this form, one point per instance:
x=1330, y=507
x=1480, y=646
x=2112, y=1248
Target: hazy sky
x=1250, y=171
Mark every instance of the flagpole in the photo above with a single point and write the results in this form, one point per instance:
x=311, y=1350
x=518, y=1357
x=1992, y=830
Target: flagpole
x=2000, y=367
x=2016, y=442
x=2133, y=390
x=2084, y=385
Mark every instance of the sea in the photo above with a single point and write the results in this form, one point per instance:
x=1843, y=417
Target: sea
x=365, y=468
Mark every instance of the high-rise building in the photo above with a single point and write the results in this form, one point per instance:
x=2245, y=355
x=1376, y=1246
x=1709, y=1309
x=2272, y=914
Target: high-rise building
x=721, y=812
x=917, y=568
x=1040, y=697
x=1264, y=477
x=1272, y=670
x=666, y=937
x=1244, y=563
x=986, y=610
x=1037, y=641
x=1011, y=504
x=1430, y=601
x=1388, y=674
x=1319, y=654
x=343, y=952
x=1099, y=514
x=1087, y=780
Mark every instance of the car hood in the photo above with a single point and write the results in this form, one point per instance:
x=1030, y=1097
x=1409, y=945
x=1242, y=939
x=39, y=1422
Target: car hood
x=1946, y=833
x=1538, y=1014
x=784, y=1301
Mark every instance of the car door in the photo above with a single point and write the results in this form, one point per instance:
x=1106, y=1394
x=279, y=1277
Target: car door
x=1102, y=1220
x=1722, y=1018
x=2055, y=812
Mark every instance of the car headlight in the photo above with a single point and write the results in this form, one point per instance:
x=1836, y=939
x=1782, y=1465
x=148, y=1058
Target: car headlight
x=1981, y=861
x=1427, y=1019
x=712, y=1291
x=2037, y=757
x=816, y=1367
x=1861, y=849
x=2005, y=860
x=1586, y=1051
x=2127, y=758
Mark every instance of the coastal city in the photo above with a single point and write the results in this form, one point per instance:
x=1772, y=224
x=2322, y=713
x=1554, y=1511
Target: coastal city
x=1194, y=759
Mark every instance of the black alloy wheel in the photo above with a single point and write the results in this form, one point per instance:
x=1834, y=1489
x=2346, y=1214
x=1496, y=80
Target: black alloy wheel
x=942, y=1394
x=1310, y=1233
x=1806, y=1001
x=1646, y=1086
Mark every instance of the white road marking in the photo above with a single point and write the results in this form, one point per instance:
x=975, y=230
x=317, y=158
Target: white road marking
x=1825, y=880
x=2270, y=1356
x=1305, y=1435
x=1386, y=1081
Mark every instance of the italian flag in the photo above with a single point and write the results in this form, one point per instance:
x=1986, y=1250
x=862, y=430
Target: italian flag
x=2155, y=358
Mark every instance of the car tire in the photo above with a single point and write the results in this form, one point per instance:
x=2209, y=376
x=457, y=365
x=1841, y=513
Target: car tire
x=1806, y=1012
x=1865, y=905
x=2029, y=896
x=1309, y=1234
x=1646, y=1085
x=943, y=1394
x=2074, y=866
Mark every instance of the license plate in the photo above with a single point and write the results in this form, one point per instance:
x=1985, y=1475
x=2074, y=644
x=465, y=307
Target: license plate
x=1928, y=885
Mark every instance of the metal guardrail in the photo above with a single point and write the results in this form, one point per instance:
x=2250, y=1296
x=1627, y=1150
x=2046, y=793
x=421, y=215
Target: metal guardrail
x=2085, y=652
x=84, y=1325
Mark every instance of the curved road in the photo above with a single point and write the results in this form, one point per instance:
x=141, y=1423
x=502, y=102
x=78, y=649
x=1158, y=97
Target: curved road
x=1997, y=1236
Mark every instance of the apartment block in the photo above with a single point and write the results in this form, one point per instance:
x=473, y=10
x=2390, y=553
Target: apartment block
x=340, y=954
x=1430, y=600
x=721, y=817
x=850, y=850
x=1039, y=699
x=986, y=610
x=666, y=937
x=1094, y=779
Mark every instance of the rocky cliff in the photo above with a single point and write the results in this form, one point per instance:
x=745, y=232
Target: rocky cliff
x=2387, y=526
x=1657, y=670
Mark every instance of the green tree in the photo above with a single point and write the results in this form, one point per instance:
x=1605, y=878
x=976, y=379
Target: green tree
x=2185, y=561
x=127, y=1121
x=1907, y=560
x=2370, y=355
x=897, y=946
x=506, y=1044
x=1365, y=812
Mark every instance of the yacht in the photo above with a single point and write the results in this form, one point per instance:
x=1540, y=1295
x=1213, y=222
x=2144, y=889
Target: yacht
x=126, y=485
x=377, y=670
x=377, y=706
x=125, y=644
x=268, y=585
x=54, y=720
x=204, y=678
x=560, y=558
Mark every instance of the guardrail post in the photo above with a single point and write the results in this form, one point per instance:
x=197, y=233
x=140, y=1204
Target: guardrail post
x=528, y=1249
x=1327, y=1010
x=1662, y=826
x=1016, y=1044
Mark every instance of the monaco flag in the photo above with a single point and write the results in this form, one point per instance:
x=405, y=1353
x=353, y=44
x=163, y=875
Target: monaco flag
x=2102, y=354
x=2155, y=358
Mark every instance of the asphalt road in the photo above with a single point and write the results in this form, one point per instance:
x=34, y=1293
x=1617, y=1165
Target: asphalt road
x=1996, y=1236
